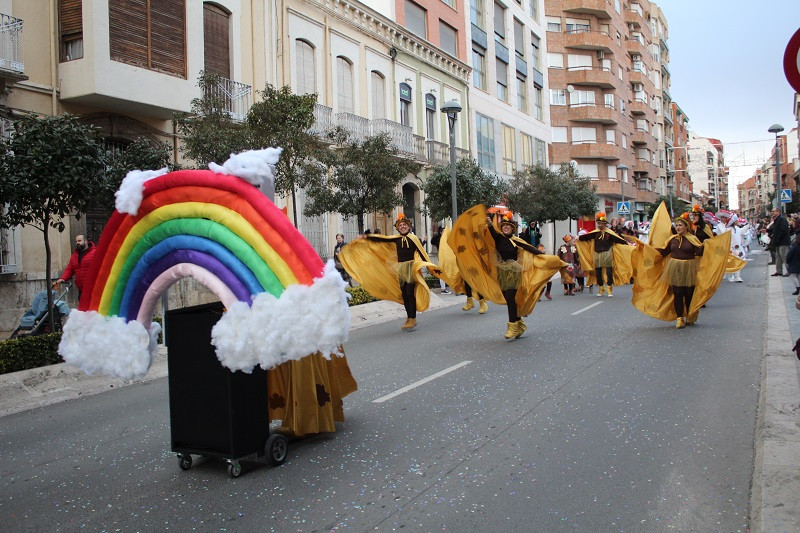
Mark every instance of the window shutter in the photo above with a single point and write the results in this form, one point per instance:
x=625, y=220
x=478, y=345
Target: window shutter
x=304, y=64
x=216, y=24
x=168, y=36
x=71, y=18
x=344, y=82
x=127, y=20
x=378, y=96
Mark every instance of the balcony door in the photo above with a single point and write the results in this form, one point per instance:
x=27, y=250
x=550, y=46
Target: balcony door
x=216, y=40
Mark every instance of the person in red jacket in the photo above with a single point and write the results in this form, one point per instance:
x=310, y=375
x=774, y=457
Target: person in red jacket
x=79, y=263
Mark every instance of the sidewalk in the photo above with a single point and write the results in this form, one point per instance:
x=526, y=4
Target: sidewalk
x=775, y=496
x=38, y=387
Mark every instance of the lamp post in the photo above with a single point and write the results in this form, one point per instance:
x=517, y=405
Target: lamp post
x=669, y=191
x=624, y=169
x=776, y=129
x=452, y=109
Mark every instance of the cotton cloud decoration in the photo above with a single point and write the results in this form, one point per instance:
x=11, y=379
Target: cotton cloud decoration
x=253, y=166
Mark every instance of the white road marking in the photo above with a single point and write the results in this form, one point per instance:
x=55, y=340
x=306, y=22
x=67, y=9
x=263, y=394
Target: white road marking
x=416, y=384
x=586, y=308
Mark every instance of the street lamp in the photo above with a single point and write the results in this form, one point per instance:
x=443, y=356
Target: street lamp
x=776, y=129
x=624, y=169
x=452, y=109
x=669, y=191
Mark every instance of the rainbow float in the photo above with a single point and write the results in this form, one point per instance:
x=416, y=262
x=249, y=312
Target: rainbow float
x=283, y=302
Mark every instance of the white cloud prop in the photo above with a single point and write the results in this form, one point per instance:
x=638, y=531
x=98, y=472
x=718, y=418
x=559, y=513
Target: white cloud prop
x=129, y=195
x=108, y=345
x=302, y=321
x=253, y=166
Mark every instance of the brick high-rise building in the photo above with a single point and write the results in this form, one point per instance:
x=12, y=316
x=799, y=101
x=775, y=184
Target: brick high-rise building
x=605, y=86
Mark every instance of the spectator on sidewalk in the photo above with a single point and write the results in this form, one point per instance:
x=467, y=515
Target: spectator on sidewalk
x=79, y=263
x=793, y=263
x=779, y=238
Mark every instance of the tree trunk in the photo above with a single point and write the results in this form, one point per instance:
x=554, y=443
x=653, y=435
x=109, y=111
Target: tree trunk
x=360, y=219
x=48, y=272
x=294, y=207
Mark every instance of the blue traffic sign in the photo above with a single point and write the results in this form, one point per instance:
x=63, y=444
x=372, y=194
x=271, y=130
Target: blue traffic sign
x=786, y=195
x=623, y=208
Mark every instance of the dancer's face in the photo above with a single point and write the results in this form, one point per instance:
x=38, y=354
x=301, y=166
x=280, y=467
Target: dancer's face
x=680, y=227
x=507, y=229
x=403, y=228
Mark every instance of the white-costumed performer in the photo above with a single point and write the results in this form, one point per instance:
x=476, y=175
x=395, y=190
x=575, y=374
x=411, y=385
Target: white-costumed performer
x=730, y=222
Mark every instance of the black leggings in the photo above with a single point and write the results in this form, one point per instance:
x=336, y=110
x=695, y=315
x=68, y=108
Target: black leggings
x=468, y=291
x=511, y=301
x=409, y=298
x=683, y=299
x=598, y=272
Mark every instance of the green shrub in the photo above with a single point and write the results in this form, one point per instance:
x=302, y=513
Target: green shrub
x=34, y=351
x=359, y=296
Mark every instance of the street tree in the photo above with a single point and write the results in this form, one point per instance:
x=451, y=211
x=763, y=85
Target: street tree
x=141, y=154
x=51, y=167
x=473, y=186
x=679, y=206
x=282, y=119
x=362, y=177
x=210, y=132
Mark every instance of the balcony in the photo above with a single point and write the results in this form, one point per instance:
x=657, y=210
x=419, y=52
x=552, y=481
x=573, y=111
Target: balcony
x=12, y=50
x=639, y=106
x=591, y=40
x=591, y=113
x=400, y=135
x=599, y=8
x=590, y=150
x=235, y=98
x=357, y=126
x=597, y=77
x=642, y=166
x=641, y=137
x=637, y=76
x=634, y=47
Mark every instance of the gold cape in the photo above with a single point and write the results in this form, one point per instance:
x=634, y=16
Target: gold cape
x=306, y=395
x=368, y=263
x=622, y=260
x=734, y=264
x=654, y=298
x=451, y=274
x=475, y=253
x=660, y=226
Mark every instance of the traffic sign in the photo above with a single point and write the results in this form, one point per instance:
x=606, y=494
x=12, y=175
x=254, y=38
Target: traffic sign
x=786, y=195
x=791, y=61
x=623, y=208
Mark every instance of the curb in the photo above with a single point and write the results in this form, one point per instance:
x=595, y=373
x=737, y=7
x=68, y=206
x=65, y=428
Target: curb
x=775, y=492
x=47, y=385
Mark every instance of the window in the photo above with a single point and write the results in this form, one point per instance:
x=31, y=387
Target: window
x=559, y=134
x=405, y=104
x=537, y=103
x=609, y=100
x=519, y=39
x=553, y=24
x=612, y=172
x=558, y=97
x=555, y=60
x=415, y=19
x=541, y=152
x=149, y=35
x=216, y=47
x=71, y=22
x=535, y=10
x=305, y=67
x=344, y=85
x=641, y=125
x=605, y=64
x=522, y=94
x=581, y=98
x=616, y=6
x=378, y=83
x=621, y=105
x=611, y=137
x=484, y=127
x=499, y=23
x=583, y=135
x=509, y=150
x=655, y=48
x=642, y=154
x=448, y=39
x=479, y=68
x=579, y=62
x=577, y=25
x=605, y=29
x=536, y=52
x=526, y=150
x=502, y=80
x=588, y=170
x=476, y=13
x=624, y=141
x=430, y=116
x=451, y=3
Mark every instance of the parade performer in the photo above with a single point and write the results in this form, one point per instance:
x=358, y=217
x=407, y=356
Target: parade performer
x=451, y=271
x=729, y=223
x=389, y=267
x=673, y=281
x=599, y=252
x=568, y=253
x=502, y=267
x=699, y=227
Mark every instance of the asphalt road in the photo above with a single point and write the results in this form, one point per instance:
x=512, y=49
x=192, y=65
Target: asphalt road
x=605, y=420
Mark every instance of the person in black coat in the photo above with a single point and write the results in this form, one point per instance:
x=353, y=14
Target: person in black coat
x=793, y=263
x=779, y=238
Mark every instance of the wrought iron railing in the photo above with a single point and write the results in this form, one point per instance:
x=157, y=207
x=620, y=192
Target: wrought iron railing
x=323, y=120
x=12, y=44
x=357, y=126
x=235, y=97
x=400, y=134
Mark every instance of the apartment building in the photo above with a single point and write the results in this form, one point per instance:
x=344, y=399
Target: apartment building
x=509, y=114
x=126, y=67
x=707, y=170
x=677, y=155
x=749, y=205
x=604, y=82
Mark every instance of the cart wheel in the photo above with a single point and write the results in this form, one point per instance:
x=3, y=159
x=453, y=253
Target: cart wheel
x=276, y=449
x=185, y=461
x=235, y=469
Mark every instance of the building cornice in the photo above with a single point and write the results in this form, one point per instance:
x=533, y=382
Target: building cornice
x=365, y=20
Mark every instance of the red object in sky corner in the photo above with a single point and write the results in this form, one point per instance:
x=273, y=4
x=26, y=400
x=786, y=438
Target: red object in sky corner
x=791, y=61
